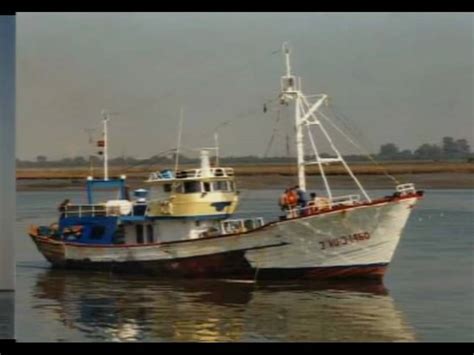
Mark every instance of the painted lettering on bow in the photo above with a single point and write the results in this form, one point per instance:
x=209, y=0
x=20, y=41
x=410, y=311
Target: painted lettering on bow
x=344, y=240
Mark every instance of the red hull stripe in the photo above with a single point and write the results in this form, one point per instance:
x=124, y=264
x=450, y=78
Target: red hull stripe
x=228, y=265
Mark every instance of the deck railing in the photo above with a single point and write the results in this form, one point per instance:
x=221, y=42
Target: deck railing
x=345, y=200
x=405, y=189
x=192, y=174
x=85, y=210
x=321, y=204
x=240, y=225
x=98, y=210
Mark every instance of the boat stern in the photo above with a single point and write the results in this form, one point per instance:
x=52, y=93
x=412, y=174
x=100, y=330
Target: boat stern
x=54, y=251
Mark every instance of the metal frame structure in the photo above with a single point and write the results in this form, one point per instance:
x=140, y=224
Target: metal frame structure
x=306, y=116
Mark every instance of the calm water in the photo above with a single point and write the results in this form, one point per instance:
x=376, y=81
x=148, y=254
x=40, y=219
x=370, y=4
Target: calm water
x=427, y=293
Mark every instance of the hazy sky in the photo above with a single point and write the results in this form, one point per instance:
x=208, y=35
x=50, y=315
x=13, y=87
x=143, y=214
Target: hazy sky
x=399, y=77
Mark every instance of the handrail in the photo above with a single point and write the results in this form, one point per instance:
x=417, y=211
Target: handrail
x=241, y=223
x=91, y=210
x=94, y=210
x=351, y=199
x=324, y=204
x=406, y=188
x=216, y=172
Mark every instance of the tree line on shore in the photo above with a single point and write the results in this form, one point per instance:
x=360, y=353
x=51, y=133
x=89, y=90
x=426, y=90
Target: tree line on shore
x=449, y=149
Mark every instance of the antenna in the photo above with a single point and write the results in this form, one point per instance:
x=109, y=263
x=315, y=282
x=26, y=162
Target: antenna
x=180, y=131
x=287, y=145
x=106, y=116
x=90, y=132
x=289, y=83
x=286, y=50
x=216, y=139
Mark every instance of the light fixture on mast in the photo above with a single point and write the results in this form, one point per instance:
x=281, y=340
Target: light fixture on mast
x=288, y=82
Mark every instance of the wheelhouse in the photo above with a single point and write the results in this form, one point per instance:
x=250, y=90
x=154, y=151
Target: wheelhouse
x=204, y=192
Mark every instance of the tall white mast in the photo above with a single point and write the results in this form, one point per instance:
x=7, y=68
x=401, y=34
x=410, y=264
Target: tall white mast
x=180, y=131
x=216, y=140
x=290, y=92
x=300, y=146
x=305, y=116
x=105, y=115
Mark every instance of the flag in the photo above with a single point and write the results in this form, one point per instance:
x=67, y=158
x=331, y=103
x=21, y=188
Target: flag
x=101, y=143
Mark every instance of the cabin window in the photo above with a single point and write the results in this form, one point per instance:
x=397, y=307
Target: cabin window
x=139, y=230
x=234, y=227
x=206, y=186
x=181, y=174
x=149, y=233
x=97, y=232
x=178, y=187
x=119, y=235
x=220, y=186
x=167, y=187
x=192, y=187
x=248, y=224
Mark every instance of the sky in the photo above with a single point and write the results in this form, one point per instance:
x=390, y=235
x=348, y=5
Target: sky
x=405, y=78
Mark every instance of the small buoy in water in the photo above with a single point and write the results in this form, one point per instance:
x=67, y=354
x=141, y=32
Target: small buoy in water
x=420, y=219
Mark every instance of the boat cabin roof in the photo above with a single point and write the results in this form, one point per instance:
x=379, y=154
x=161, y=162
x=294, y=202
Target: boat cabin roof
x=112, y=184
x=167, y=176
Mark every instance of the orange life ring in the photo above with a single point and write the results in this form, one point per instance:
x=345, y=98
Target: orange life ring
x=292, y=199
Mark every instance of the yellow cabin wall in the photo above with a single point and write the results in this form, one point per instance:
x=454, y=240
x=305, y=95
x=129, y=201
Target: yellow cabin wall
x=194, y=204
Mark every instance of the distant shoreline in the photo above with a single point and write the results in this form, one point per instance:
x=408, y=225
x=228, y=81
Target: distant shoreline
x=442, y=175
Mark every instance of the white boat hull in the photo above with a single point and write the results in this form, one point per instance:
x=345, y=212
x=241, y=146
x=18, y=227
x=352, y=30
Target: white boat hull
x=351, y=241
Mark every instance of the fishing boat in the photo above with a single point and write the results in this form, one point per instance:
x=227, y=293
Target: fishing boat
x=184, y=223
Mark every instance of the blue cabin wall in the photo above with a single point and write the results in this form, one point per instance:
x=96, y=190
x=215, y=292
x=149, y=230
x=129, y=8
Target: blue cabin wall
x=91, y=225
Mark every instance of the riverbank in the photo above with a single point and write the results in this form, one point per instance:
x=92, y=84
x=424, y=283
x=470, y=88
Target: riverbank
x=426, y=175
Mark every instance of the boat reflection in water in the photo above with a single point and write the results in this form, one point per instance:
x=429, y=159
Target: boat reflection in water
x=97, y=306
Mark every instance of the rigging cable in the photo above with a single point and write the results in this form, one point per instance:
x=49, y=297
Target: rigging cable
x=275, y=131
x=243, y=115
x=146, y=161
x=362, y=149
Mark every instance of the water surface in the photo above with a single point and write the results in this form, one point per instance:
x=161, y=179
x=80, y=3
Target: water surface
x=427, y=295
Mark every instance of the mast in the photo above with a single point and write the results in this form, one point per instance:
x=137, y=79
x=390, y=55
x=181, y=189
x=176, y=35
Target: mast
x=180, y=130
x=305, y=117
x=300, y=145
x=216, y=140
x=105, y=114
x=89, y=132
x=290, y=92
